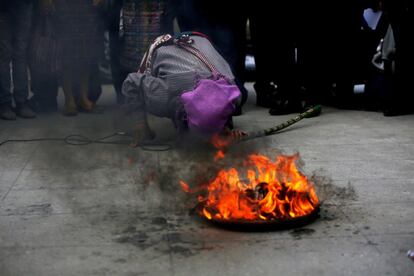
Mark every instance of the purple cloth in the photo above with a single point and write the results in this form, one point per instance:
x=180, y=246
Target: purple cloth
x=210, y=104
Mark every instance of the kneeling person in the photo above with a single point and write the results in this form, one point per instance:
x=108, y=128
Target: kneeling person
x=185, y=79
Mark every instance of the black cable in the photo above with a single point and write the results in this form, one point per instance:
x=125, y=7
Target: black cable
x=81, y=140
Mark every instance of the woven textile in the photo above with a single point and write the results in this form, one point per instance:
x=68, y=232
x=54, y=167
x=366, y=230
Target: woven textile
x=143, y=21
x=79, y=32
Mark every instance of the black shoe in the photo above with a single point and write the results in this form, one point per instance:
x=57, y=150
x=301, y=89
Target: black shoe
x=6, y=112
x=284, y=107
x=25, y=111
x=265, y=94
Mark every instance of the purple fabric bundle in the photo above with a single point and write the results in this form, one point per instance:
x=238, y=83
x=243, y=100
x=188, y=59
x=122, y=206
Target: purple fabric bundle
x=210, y=104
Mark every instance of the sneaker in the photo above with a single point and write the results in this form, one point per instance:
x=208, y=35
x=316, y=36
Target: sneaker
x=25, y=111
x=7, y=113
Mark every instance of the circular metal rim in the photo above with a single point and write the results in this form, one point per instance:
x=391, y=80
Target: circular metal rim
x=265, y=225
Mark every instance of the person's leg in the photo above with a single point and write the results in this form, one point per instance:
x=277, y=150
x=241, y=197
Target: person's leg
x=113, y=21
x=6, y=111
x=84, y=77
x=274, y=51
x=5, y=59
x=95, y=83
x=340, y=32
x=313, y=50
x=21, y=18
x=44, y=88
x=399, y=100
x=229, y=38
x=114, y=45
x=70, y=108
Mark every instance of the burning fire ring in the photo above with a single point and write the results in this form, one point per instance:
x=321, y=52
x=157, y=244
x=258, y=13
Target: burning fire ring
x=263, y=195
x=265, y=225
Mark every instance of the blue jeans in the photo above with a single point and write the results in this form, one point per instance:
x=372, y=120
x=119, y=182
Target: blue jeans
x=15, y=27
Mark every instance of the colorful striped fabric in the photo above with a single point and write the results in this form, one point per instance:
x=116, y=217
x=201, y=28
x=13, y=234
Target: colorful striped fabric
x=143, y=21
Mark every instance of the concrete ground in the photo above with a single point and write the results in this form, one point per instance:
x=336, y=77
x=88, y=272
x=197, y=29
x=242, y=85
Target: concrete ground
x=111, y=210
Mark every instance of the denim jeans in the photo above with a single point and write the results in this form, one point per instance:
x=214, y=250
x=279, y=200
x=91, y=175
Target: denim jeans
x=15, y=27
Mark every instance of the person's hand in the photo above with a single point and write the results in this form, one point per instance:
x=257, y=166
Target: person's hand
x=234, y=135
x=237, y=135
x=140, y=132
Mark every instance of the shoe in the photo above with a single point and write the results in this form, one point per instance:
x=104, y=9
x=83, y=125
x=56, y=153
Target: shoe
x=70, y=110
x=85, y=105
x=265, y=94
x=284, y=107
x=25, y=111
x=7, y=113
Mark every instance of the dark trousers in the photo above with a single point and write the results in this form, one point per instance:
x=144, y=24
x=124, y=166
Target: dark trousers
x=15, y=26
x=274, y=40
x=304, y=43
x=400, y=17
x=112, y=20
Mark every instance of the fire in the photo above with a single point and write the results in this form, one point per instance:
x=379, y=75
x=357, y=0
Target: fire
x=262, y=190
x=220, y=143
x=219, y=155
x=185, y=186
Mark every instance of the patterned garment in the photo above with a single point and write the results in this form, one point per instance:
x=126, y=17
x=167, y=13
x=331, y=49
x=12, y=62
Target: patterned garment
x=143, y=21
x=173, y=71
x=79, y=29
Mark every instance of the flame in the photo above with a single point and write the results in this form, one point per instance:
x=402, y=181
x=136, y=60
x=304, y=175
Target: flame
x=261, y=190
x=221, y=143
x=184, y=186
x=219, y=155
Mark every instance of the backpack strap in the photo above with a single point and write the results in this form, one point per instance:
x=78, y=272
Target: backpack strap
x=182, y=40
x=146, y=60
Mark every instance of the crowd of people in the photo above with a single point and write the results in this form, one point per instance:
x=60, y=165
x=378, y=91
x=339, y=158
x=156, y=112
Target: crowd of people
x=306, y=52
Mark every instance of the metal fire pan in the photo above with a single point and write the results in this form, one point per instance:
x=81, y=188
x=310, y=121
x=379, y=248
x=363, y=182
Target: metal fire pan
x=265, y=225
